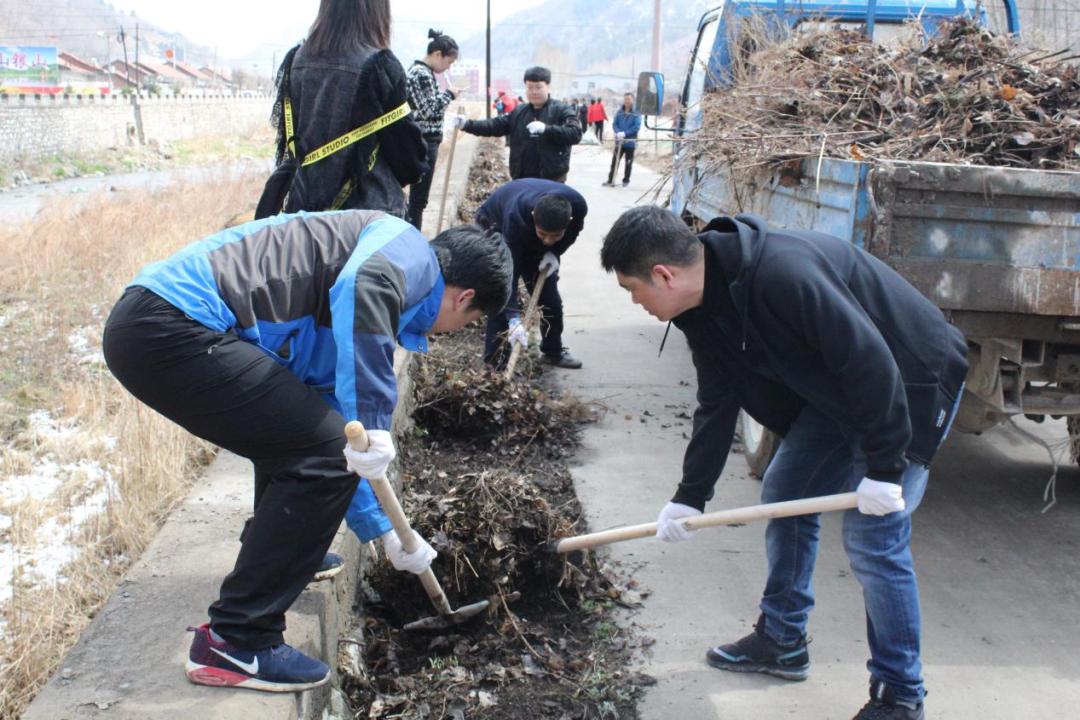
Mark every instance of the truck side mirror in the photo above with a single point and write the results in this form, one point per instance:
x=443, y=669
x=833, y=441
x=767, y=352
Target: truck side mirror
x=650, y=94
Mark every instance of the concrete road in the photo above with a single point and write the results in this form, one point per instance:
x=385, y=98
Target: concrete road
x=1000, y=580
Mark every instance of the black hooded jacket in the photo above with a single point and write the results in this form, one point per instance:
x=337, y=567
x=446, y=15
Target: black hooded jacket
x=794, y=318
x=332, y=95
x=546, y=155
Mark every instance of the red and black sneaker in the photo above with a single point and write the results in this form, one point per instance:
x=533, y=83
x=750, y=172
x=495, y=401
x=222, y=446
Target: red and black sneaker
x=280, y=668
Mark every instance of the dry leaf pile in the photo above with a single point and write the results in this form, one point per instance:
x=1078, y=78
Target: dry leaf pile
x=486, y=482
x=488, y=172
x=966, y=96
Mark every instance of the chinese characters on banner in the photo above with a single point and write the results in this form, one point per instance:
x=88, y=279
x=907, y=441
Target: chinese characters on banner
x=29, y=69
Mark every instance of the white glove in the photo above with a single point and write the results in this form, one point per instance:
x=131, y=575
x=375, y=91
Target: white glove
x=518, y=334
x=535, y=127
x=415, y=562
x=620, y=135
x=879, y=498
x=670, y=531
x=550, y=262
x=374, y=461
x=458, y=121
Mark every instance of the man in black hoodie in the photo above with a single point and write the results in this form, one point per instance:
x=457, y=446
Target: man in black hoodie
x=539, y=132
x=829, y=347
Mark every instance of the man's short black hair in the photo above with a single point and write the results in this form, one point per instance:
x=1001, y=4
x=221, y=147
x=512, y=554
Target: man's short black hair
x=553, y=213
x=646, y=236
x=538, y=74
x=472, y=258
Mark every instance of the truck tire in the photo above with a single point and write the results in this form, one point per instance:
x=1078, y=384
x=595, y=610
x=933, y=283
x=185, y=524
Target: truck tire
x=1073, y=423
x=759, y=444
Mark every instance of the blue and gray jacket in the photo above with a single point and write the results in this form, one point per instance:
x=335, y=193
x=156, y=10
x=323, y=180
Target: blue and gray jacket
x=328, y=296
x=629, y=123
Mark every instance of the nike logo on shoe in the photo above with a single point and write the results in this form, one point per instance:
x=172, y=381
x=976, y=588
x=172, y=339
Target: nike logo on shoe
x=251, y=668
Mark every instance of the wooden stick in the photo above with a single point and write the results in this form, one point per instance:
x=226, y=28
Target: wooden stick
x=527, y=321
x=358, y=440
x=789, y=508
x=446, y=180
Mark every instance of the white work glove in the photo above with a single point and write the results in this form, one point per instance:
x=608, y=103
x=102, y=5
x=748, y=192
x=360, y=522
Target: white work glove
x=374, y=461
x=535, y=127
x=550, y=262
x=670, y=531
x=879, y=498
x=458, y=121
x=518, y=334
x=620, y=135
x=415, y=562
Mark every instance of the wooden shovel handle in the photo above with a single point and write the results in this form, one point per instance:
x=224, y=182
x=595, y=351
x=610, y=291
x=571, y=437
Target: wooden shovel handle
x=446, y=180
x=358, y=440
x=530, y=310
x=768, y=511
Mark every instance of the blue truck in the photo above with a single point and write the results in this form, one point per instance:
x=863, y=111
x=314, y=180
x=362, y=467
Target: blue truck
x=997, y=249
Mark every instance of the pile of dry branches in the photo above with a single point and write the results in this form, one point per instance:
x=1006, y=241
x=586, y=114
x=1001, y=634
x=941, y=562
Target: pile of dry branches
x=965, y=96
x=487, y=173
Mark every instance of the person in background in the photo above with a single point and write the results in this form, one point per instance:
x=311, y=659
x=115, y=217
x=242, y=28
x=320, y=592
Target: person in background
x=500, y=103
x=264, y=339
x=429, y=104
x=583, y=112
x=626, y=126
x=539, y=132
x=342, y=77
x=597, y=116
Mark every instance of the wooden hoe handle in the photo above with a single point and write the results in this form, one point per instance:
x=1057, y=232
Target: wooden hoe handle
x=358, y=440
x=527, y=321
x=735, y=516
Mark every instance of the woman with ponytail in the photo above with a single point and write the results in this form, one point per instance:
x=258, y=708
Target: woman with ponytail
x=429, y=106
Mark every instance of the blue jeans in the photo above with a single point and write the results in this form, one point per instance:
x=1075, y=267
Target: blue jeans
x=816, y=458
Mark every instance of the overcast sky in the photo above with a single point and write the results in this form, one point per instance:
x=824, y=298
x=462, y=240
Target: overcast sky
x=241, y=28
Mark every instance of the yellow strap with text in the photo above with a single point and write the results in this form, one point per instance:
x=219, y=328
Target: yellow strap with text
x=289, y=127
x=353, y=135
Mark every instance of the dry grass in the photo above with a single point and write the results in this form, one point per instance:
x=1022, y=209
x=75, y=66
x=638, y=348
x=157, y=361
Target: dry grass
x=62, y=274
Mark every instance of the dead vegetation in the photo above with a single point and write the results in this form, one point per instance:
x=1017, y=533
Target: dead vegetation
x=488, y=172
x=114, y=468
x=486, y=481
x=965, y=96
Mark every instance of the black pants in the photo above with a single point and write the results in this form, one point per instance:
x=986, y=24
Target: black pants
x=599, y=127
x=419, y=193
x=234, y=395
x=625, y=152
x=496, y=348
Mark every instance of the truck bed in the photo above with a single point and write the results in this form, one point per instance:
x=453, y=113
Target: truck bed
x=971, y=238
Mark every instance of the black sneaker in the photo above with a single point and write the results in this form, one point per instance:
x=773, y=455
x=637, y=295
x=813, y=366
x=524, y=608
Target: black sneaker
x=564, y=360
x=758, y=653
x=608, y=184
x=625, y=183
x=883, y=705
x=332, y=564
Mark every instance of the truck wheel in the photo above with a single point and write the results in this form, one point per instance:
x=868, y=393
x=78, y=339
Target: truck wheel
x=1073, y=423
x=759, y=444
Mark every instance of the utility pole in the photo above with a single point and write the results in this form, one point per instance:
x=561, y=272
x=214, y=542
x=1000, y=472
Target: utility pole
x=123, y=41
x=487, y=60
x=657, y=22
x=137, y=73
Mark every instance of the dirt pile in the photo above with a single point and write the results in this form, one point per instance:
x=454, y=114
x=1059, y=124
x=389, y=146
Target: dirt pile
x=966, y=96
x=488, y=172
x=489, y=493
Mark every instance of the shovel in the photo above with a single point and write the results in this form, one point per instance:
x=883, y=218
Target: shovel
x=735, y=516
x=447, y=616
x=446, y=180
x=527, y=321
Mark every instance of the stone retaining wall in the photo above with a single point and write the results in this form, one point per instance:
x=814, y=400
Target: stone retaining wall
x=33, y=126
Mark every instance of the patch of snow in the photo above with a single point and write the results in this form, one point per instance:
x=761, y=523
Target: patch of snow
x=79, y=345
x=45, y=479
x=45, y=427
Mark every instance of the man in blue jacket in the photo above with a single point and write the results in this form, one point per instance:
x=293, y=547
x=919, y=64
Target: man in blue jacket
x=626, y=126
x=265, y=339
x=539, y=220
x=829, y=347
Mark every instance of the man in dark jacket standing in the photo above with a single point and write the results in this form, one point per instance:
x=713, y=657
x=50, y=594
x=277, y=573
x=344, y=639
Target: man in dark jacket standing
x=829, y=347
x=539, y=220
x=540, y=131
